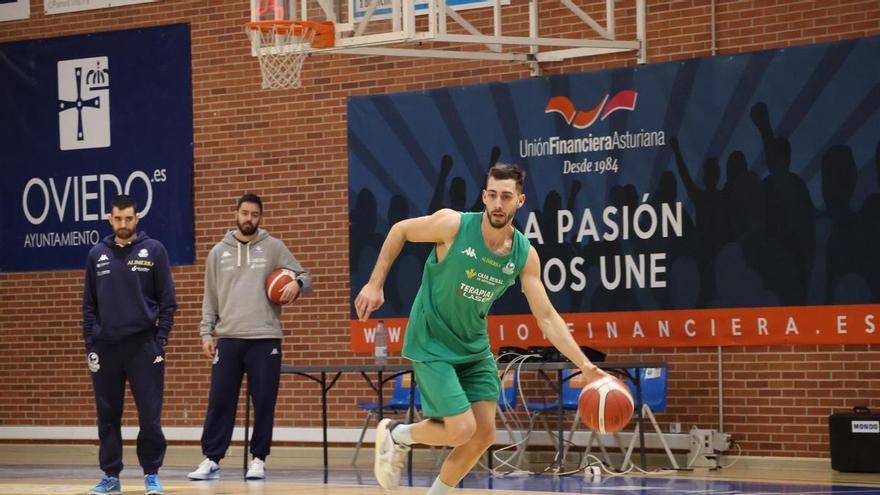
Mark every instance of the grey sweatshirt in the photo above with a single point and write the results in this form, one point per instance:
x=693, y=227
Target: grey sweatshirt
x=235, y=304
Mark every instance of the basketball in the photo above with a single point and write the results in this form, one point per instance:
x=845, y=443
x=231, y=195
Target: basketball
x=605, y=405
x=275, y=283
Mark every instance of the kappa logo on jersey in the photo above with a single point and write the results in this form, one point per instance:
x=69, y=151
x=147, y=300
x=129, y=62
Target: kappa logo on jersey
x=143, y=253
x=158, y=360
x=94, y=362
x=470, y=252
x=103, y=257
x=84, y=103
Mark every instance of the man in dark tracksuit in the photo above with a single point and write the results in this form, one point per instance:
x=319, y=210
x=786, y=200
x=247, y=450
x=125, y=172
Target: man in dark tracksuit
x=128, y=310
x=241, y=333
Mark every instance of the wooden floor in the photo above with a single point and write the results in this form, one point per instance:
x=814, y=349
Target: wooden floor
x=67, y=469
x=221, y=488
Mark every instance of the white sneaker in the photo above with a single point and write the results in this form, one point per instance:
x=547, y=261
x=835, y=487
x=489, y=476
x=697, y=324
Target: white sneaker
x=256, y=471
x=389, y=457
x=207, y=470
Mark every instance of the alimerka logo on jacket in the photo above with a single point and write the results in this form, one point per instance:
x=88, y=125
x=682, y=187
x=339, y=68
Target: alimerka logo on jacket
x=581, y=119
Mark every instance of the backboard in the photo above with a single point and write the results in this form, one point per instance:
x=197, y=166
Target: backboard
x=466, y=29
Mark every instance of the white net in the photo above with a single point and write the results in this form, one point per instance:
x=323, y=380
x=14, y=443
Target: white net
x=281, y=49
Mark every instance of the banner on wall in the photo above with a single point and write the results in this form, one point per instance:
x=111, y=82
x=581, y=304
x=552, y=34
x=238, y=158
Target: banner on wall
x=64, y=6
x=90, y=117
x=11, y=10
x=730, y=200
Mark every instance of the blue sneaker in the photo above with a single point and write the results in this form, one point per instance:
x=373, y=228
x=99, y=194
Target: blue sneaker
x=152, y=485
x=108, y=484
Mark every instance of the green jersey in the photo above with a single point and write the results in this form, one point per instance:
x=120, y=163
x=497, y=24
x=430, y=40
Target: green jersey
x=448, y=317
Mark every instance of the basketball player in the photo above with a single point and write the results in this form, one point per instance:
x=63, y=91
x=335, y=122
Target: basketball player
x=476, y=257
x=241, y=333
x=128, y=310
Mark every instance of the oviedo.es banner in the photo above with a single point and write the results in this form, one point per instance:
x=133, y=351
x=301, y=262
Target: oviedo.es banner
x=90, y=117
x=729, y=200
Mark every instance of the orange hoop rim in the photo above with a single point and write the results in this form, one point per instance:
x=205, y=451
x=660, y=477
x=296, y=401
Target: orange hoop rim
x=318, y=34
x=281, y=26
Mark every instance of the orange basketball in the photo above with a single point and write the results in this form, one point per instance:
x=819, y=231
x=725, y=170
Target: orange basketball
x=605, y=405
x=275, y=283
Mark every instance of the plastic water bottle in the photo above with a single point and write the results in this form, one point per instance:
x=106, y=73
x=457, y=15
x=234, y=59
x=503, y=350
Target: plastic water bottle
x=380, y=339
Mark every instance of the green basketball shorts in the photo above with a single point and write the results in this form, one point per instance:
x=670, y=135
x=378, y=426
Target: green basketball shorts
x=448, y=389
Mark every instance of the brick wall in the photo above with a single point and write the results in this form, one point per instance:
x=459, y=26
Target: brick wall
x=290, y=147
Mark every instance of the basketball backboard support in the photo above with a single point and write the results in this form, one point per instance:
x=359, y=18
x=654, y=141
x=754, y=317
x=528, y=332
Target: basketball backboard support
x=442, y=28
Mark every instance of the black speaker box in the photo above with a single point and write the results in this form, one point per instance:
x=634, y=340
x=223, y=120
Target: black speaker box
x=593, y=354
x=855, y=441
x=507, y=354
x=546, y=354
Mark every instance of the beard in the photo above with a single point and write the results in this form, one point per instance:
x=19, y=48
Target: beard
x=248, y=228
x=124, y=233
x=495, y=222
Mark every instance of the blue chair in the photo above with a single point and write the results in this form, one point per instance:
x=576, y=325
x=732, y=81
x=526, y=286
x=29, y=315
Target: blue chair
x=653, y=382
x=507, y=401
x=571, y=389
x=399, y=403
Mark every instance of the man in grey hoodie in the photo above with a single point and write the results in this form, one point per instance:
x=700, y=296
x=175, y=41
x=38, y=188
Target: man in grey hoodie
x=241, y=332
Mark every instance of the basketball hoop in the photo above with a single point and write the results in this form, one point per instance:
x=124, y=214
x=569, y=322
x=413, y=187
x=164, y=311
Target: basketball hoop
x=282, y=47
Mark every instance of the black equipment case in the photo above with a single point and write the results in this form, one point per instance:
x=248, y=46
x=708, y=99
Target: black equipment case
x=855, y=441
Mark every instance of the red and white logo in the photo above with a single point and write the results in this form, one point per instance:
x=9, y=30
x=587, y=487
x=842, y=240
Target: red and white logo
x=581, y=119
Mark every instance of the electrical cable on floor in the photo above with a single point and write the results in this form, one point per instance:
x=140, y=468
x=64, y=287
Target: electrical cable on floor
x=595, y=465
x=517, y=361
x=739, y=452
x=694, y=458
